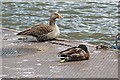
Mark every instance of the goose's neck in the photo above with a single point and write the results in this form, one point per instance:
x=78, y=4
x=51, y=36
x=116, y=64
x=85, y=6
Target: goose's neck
x=52, y=21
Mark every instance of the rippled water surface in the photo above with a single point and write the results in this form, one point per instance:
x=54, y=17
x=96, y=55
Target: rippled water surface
x=93, y=22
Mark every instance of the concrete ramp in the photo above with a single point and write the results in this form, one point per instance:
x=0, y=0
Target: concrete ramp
x=25, y=59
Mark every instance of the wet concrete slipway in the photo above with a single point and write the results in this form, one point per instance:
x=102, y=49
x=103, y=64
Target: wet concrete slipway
x=25, y=59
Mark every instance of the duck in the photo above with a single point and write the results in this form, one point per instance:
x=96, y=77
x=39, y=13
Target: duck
x=102, y=46
x=44, y=32
x=74, y=54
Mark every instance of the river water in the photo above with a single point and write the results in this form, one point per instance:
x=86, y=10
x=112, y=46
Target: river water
x=92, y=22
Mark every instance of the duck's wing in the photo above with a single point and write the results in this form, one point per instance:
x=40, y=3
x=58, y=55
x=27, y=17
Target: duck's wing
x=40, y=29
x=69, y=51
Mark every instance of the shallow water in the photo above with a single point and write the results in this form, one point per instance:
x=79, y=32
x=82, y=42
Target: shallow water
x=92, y=22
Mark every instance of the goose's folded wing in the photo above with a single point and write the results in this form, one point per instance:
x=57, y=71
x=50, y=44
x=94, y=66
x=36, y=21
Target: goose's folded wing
x=37, y=30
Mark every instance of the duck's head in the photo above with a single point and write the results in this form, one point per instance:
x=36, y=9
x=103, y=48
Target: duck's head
x=84, y=47
x=56, y=15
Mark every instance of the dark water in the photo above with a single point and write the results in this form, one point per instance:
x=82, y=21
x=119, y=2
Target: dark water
x=92, y=22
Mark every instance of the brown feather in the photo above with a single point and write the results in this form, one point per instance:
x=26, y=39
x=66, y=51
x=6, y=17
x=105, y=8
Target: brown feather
x=37, y=30
x=70, y=51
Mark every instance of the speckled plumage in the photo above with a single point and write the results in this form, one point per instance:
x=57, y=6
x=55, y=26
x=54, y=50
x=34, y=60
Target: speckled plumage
x=74, y=54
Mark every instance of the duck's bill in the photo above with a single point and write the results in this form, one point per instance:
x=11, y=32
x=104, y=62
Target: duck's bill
x=62, y=61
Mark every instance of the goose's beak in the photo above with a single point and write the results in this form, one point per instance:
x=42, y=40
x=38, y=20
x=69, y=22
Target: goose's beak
x=60, y=17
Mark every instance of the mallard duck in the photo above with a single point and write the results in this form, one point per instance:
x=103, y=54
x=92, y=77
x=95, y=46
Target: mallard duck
x=74, y=54
x=44, y=32
x=102, y=46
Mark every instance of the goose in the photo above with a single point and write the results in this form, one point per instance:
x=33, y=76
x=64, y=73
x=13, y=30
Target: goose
x=74, y=54
x=44, y=32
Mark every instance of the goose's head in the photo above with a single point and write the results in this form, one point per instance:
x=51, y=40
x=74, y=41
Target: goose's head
x=56, y=15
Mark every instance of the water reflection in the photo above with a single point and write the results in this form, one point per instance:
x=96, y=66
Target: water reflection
x=79, y=17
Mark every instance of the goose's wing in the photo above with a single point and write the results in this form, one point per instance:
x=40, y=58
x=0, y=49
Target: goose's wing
x=40, y=29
